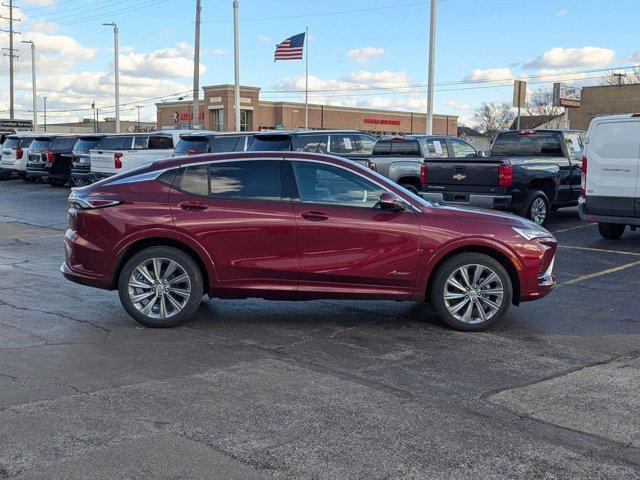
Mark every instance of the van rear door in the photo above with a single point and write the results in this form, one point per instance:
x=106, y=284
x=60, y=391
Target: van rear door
x=613, y=161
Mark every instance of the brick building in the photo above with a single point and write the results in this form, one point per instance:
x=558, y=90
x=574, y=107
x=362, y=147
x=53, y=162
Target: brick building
x=216, y=113
x=604, y=100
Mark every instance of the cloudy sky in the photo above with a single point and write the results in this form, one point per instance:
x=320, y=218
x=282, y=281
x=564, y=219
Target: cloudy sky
x=362, y=52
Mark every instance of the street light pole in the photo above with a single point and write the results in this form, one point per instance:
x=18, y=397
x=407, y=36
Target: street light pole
x=196, y=68
x=430, y=81
x=33, y=84
x=139, y=107
x=45, y=112
x=117, y=72
x=236, y=60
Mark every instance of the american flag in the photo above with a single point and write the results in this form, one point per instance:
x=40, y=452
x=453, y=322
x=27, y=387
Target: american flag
x=291, y=48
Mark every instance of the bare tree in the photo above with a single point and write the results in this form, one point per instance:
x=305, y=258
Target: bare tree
x=621, y=78
x=540, y=102
x=493, y=118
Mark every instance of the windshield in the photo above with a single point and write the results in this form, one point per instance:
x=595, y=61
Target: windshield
x=39, y=145
x=11, y=142
x=114, y=143
x=191, y=145
x=271, y=143
x=84, y=144
x=574, y=142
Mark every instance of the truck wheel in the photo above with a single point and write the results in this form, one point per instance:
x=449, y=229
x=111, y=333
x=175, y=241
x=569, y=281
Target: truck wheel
x=410, y=187
x=611, y=231
x=471, y=291
x=5, y=175
x=536, y=207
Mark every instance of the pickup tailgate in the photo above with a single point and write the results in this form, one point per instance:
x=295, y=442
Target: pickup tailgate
x=103, y=161
x=477, y=175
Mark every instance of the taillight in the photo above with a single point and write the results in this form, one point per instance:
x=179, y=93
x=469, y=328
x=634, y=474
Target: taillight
x=50, y=156
x=583, y=177
x=423, y=174
x=117, y=162
x=505, y=176
x=91, y=203
x=19, y=153
x=372, y=166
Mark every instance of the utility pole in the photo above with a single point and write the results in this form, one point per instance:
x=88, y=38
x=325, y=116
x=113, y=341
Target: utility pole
x=196, y=68
x=95, y=117
x=45, y=112
x=139, y=107
x=33, y=84
x=432, y=52
x=117, y=72
x=236, y=61
x=619, y=78
x=12, y=55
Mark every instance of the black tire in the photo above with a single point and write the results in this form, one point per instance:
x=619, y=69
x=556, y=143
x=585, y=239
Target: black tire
x=57, y=182
x=411, y=188
x=5, y=176
x=447, y=269
x=29, y=179
x=189, y=266
x=611, y=231
x=536, y=207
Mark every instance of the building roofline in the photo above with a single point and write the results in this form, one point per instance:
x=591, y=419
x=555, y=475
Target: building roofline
x=228, y=86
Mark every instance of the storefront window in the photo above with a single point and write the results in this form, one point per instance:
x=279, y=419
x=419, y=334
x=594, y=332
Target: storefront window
x=218, y=120
x=245, y=120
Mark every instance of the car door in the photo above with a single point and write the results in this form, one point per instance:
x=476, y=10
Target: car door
x=236, y=211
x=347, y=245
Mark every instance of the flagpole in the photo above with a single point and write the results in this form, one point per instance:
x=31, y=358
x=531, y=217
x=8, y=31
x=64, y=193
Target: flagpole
x=306, y=80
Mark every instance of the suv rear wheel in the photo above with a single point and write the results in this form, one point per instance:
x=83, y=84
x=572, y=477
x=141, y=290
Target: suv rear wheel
x=611, y=231
x=160, y=286
x=471, y=292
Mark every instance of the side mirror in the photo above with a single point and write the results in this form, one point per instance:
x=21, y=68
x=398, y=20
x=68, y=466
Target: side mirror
x=482, y=154
x=388, y=201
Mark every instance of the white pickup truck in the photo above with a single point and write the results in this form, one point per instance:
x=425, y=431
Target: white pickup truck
x=122, y=152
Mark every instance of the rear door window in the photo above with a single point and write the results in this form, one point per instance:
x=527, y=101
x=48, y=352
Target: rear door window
x=309, y=143
x=574, y=144
x=115, y=143
x=251, y=180
x=436, y=148
x=343, y=143
x=364, y=143
x=462, y=149
x=141, y=143
x=160, y=142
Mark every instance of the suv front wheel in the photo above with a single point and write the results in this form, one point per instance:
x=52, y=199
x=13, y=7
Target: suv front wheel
x=160, y=286
x=471, y=291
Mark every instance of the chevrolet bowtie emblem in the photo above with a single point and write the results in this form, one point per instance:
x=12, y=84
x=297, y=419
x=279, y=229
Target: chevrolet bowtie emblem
x=459, y=177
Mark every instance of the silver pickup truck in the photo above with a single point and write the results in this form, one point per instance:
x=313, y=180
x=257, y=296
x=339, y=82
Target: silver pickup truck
x=400, y=158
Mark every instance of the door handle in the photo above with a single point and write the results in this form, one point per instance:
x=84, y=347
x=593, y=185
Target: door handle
x=193, y=206
x=315, y=216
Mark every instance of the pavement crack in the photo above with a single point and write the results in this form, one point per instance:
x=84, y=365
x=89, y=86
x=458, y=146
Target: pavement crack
x=61, y=315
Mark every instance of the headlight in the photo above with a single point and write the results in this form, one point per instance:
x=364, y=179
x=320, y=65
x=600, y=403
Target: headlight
x=531, y=233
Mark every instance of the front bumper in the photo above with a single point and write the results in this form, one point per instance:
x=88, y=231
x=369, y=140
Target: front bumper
x=495, y=202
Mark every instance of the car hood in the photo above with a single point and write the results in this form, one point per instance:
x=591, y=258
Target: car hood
x=491, y=216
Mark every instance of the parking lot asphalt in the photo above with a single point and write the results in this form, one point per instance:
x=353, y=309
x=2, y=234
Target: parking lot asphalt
x=325, y=389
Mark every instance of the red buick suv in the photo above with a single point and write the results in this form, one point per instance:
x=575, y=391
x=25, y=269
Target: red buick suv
x=295, y=226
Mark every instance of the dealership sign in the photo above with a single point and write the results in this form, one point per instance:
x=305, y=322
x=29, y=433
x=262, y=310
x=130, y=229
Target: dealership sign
x=566, y=96
x=185, y=116
x=381, y=121
x=16, y=124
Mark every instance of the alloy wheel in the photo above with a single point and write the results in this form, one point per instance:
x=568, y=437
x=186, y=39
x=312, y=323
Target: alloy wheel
x=473, y=293
x=159, y=288
x=538, y=211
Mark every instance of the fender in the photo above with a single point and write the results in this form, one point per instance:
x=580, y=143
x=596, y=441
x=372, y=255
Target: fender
x=461, y=243
x=402, y=169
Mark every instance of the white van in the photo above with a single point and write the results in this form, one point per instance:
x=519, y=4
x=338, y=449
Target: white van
x=610, y=193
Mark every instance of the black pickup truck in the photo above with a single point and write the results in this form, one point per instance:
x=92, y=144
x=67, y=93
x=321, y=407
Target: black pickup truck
x=529, y=172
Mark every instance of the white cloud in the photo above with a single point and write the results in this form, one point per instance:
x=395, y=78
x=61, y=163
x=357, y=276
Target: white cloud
x=490, y=75
x=61, y=45
x=163, y=63
x=458, y=105
x=560, y=57
x=363, y=55
x=265, y=38
x=562, y=12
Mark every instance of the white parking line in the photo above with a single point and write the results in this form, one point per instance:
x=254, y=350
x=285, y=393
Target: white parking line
x=572, y=228
x=603, y=272
x=602, y=250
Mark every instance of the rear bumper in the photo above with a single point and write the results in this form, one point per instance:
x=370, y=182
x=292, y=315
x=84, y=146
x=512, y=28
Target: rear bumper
x=589, y=217
x=37, y=172
x=100, y=175
x=497, y=202
x=83, y=278
x=83, y=262
x=83, y=174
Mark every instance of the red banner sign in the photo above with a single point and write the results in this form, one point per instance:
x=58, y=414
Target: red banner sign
x=381, y=121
